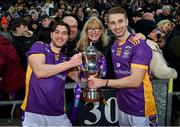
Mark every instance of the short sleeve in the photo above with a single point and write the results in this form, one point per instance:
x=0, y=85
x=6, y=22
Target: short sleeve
x=142, y=54
x=37, y=48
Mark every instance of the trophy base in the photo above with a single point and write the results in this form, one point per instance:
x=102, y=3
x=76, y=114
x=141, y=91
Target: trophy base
x=92, y=95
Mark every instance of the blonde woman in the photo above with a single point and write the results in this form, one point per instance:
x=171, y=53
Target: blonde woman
x=94, y=31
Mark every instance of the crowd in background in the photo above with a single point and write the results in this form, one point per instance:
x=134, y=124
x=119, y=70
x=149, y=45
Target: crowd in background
x=24, y=22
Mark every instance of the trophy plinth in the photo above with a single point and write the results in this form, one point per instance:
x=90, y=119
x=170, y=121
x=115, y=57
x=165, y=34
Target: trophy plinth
x=91, y=68
x=92, y=95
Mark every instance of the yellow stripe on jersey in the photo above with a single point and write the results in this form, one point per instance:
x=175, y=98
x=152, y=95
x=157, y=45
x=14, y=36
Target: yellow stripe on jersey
x=28, y=76
x=36, y=55
x=133, y=41
x=150, y=106
x=139, y=66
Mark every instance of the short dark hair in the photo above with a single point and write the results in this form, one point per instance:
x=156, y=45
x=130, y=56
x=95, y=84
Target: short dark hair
x=45, y=17
x=115, y=10
x=61, y=23
x=137, y=14
x=18, y=22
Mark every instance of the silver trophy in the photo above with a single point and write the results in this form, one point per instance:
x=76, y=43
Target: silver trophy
x=91, y=67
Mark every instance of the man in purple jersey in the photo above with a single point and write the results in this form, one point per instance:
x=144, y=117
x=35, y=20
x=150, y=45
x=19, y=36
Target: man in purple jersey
x=45, y=80
x=131, y=59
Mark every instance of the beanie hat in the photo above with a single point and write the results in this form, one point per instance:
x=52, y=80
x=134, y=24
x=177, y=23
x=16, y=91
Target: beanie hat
x=145, y=26
x=4, y=20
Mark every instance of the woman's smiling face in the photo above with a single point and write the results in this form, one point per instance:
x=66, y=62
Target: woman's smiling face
x=94, y=31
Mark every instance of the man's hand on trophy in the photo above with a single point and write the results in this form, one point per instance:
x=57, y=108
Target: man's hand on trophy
x=94, y=82
x=76, y=60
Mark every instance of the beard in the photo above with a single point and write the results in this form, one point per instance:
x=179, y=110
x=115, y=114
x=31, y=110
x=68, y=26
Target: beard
x=57, y=45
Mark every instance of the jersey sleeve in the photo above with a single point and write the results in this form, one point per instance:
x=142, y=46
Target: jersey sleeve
x=37, y=48
x=142, y=55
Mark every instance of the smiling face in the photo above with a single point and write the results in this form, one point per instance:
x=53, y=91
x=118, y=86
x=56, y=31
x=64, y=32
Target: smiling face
x=59, y=36
x=118, y=24
x=166, y=27
x=94, y=31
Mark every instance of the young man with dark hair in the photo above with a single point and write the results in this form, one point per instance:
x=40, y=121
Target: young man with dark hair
x=22, y=39
x=45, y=80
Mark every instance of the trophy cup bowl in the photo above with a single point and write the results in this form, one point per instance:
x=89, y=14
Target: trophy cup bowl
x=90, y=68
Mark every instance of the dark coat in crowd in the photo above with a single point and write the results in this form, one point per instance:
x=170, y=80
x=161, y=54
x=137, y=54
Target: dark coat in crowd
x=69, y=48
x=11, y=71
x=44, y=34
x=22, y=44
x=172, y=54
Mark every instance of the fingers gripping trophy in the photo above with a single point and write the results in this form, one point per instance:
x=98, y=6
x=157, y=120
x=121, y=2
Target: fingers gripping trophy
x=94, y=64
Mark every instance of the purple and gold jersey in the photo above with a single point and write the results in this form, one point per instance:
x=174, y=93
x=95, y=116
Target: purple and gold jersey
x=45, y=95
x=134, y=54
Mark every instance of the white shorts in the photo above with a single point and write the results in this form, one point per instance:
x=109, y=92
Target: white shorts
x=130, y=120
x=33, y=119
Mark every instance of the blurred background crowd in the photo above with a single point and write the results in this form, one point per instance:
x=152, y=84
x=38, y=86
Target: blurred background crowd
x=23, y=22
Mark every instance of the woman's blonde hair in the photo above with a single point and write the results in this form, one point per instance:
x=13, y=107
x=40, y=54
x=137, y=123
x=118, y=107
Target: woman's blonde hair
x=84, y=40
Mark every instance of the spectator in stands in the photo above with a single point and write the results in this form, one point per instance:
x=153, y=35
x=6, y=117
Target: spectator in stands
x=4, y=29
x=145, y=17
x=103, y=18
x=13, y=12
x=166, y=13
x=94, y=12
x=58, y=14
x=131, y=59
x=45, y=29
x=22, y=39
x=148, y=16
x=46, y=75
x=159, y=68
x=171, y=50
x=12, y=74
x=88, y=12
x=69, y=10
x=69, y=47
x=172, y=55
x=137, y=15
x=33, y=24
x=165, y=28
x=81, y=18
x=158, y=12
